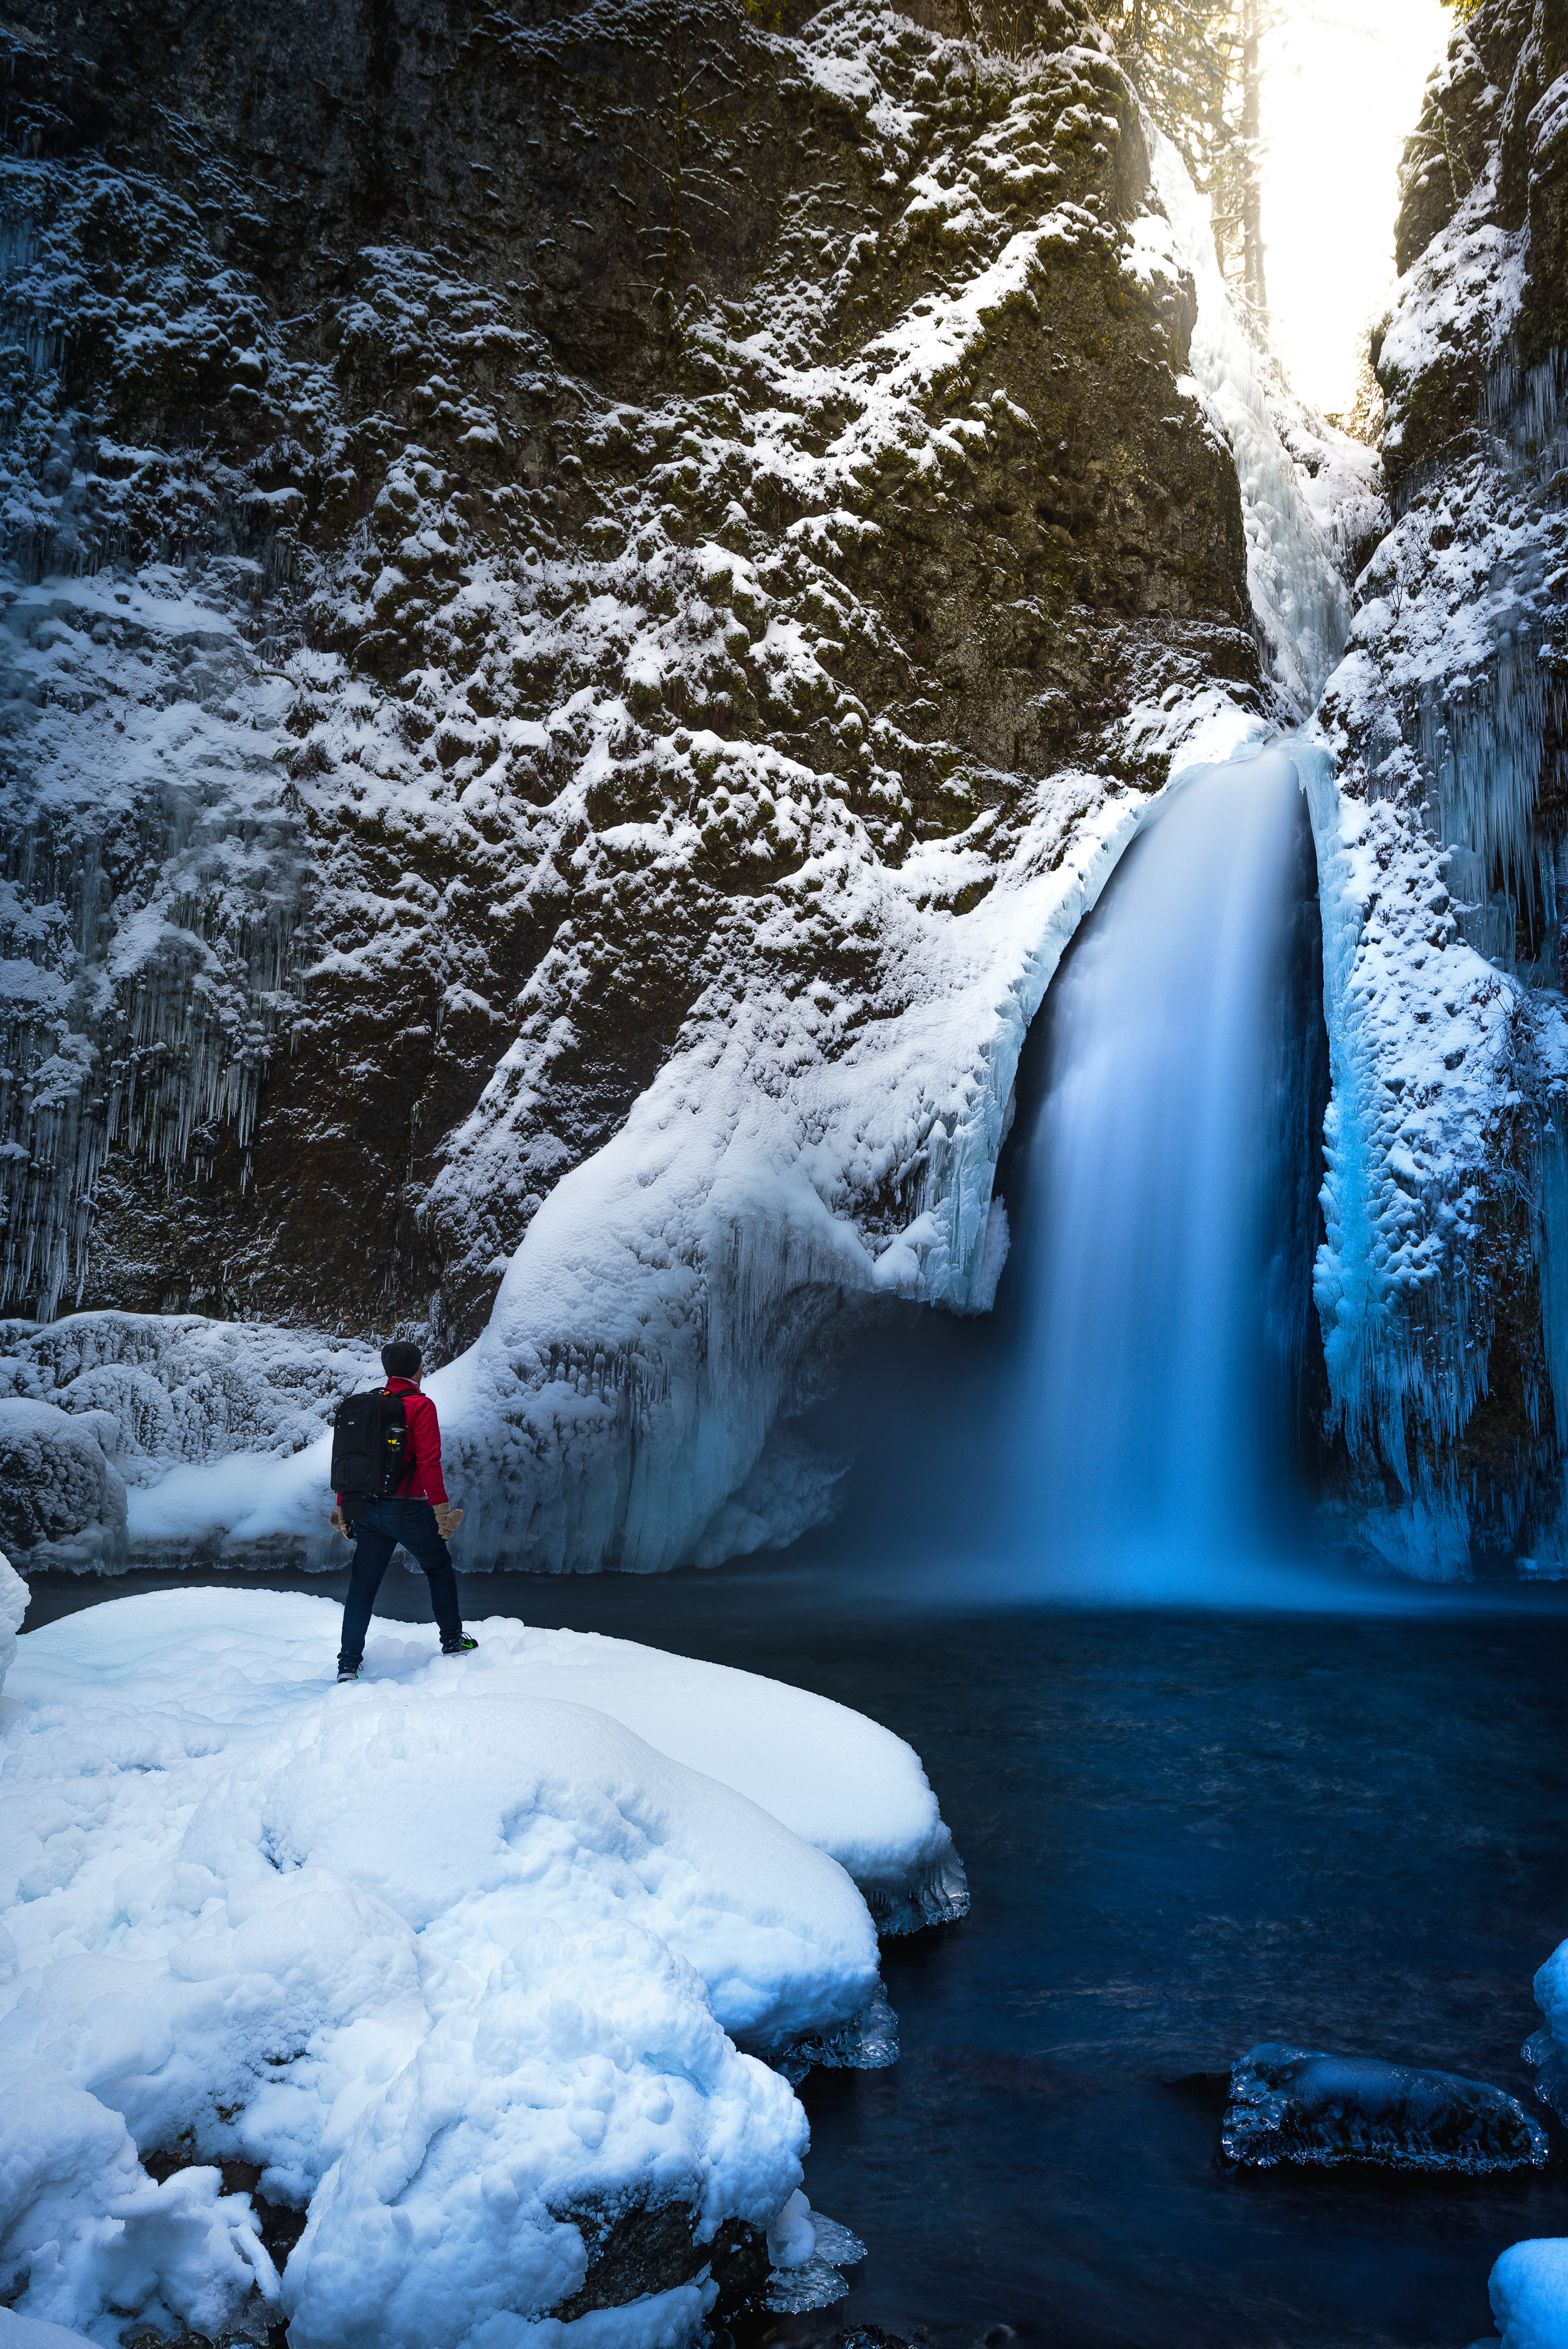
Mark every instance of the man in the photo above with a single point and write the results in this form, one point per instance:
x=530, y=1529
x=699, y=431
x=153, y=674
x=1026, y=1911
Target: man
x=418, y=1515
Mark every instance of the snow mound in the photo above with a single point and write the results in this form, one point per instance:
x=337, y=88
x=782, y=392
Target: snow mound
x=834, y=1779
x=453, y=1958
x=1529, y=2288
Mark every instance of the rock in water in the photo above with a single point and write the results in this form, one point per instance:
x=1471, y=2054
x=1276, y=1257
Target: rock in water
x=1289, y=2104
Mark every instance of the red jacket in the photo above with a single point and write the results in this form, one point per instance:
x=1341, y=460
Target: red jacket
x=423, y=1480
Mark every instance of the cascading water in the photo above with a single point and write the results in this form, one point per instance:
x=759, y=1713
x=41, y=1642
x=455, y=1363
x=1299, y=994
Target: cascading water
x=1130, y=1419
x=1162, y=1250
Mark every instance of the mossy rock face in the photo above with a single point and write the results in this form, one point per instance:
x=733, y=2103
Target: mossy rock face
x=628, y=458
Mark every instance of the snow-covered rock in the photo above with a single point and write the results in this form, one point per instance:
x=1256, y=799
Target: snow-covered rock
x=1290, y=2103
x=454, y=1957
x=584, y=2067
x=83, y=2229
x=1529, y=2288
x=60, y=1499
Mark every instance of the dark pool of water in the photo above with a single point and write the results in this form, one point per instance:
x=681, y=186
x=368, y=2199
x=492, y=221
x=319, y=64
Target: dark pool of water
x=1185, y=1832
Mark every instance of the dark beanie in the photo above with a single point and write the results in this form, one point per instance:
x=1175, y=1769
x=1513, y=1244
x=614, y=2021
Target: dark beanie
x=400, y=1359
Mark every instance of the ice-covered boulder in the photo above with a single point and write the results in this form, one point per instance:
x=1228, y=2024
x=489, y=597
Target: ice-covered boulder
x=12, y=1606
x=1529, y=2288
x=1546, y=2050
x=1289, y=2104
x=457, y=1962
x=60, y=1500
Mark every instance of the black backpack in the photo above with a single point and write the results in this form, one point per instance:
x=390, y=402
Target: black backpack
x=371, y=1454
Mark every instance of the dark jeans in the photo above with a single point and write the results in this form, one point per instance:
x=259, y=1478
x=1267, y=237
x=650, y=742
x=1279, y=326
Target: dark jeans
x=378, y=1528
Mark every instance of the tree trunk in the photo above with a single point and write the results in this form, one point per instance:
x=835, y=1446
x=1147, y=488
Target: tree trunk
x=1252, y=280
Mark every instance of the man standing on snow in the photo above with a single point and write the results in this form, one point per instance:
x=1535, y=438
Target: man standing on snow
x=418, y=1515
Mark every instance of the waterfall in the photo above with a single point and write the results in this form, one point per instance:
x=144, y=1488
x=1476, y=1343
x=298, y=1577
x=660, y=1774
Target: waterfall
x=1169, y=1217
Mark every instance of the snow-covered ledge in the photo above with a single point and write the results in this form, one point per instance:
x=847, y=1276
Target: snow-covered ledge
x=464, y=1961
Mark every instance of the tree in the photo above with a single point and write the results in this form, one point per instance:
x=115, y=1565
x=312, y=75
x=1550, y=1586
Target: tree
x=1197, y=67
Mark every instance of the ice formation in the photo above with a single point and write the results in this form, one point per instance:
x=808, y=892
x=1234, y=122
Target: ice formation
x=808, y=2269
x=174, y=1027
x=60, y=1500
x=1546, y=2050
x=455, y=1958
x=1288, y=2105
x=12, y=1608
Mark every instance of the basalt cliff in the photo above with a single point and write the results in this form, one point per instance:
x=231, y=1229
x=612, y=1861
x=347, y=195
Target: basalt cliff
x=590, y=599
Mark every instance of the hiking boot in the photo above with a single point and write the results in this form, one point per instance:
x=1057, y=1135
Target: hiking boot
x=348, y=1671
x=459, y=1646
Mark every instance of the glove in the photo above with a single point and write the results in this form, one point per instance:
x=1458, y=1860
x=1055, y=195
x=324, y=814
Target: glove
x=447, y=1520
x=340, y=1525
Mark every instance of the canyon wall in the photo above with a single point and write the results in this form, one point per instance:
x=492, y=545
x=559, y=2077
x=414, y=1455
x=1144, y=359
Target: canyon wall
x=590, y=599
x=1443, y=1285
